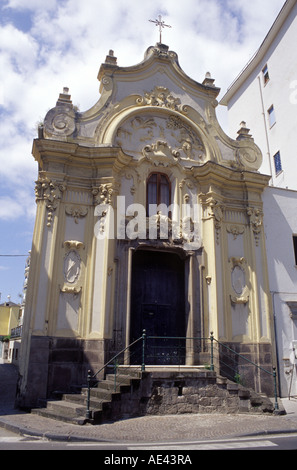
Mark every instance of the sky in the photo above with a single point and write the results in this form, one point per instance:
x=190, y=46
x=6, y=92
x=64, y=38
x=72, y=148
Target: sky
x=45, y=46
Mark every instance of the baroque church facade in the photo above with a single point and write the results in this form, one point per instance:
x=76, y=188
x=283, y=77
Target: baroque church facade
x=149, y=217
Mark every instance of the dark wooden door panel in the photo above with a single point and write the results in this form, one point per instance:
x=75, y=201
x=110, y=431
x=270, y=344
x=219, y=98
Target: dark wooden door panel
x=158, y=304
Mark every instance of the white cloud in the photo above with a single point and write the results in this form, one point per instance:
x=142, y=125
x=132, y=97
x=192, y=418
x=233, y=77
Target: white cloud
x=69, y=40
x=22, y=206
x=19, y=47
x=45, y=46
x=33, y=5
x=9, y=208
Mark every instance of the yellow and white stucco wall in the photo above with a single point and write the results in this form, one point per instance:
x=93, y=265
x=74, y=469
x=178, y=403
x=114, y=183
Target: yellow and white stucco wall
x=93, y=166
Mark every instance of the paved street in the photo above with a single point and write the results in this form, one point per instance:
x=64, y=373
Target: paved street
x=153, y=451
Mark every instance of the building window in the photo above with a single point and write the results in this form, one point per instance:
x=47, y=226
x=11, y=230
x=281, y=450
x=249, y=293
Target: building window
x=277, y=163
x=271, y=116
x=265, y=75
x=295, y=247
x=158, y=190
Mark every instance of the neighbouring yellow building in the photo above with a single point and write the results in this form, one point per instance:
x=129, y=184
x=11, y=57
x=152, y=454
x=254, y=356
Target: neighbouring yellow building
x=9, y=319
x=148, y=217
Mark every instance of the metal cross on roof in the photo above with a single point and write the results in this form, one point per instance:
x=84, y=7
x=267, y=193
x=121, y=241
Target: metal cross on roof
x=161, y=25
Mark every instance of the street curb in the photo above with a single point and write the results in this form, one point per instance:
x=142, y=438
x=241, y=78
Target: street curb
x=49, y=435
x=271, y=433
x=75, y=438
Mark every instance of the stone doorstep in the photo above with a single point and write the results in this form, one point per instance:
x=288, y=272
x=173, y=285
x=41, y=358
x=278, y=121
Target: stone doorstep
x=161, y=368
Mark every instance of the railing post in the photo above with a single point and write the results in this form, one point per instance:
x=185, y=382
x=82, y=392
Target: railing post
x=88, y=412
x=211, y=351
x=143, y=350
x=115, y=368
x=275, y=390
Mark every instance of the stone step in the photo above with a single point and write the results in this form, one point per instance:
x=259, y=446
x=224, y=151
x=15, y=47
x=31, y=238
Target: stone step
x=127, y=400
x=69, y=408
x=96, y=402
x=46, y=413
x=62, y=410
x=104, y=394
x=108, y=387
x=122, y=378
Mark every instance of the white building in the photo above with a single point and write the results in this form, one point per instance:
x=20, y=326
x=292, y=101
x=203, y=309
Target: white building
x=280, y=224
x=264, y=97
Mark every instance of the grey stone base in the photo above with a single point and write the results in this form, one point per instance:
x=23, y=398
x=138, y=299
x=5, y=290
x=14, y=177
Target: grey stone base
x=162, y=393
x=240, y=367
x=58, y=364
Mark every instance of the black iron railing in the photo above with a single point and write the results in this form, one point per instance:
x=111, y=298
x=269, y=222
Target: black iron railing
x=170, y=350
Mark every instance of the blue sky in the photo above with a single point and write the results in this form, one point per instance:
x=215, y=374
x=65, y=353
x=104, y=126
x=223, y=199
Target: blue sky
x=45, y=46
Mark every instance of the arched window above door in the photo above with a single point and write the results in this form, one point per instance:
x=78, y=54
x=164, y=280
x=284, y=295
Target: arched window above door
x=158, y=190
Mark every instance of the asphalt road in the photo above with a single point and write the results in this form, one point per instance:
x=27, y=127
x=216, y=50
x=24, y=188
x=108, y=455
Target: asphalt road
x=148, y=453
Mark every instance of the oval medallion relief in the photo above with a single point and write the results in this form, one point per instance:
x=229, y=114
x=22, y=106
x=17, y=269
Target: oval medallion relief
x=72, y=263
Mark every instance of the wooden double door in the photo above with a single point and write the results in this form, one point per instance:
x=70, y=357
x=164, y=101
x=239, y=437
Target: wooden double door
x=158, y=305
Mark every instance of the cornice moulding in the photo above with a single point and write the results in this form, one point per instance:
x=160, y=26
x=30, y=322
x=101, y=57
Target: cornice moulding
x=156, y=56
x=221, y=174
x=73, y=153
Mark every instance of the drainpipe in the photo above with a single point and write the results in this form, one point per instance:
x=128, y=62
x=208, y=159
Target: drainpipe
x=266, y=131
x=273, y=293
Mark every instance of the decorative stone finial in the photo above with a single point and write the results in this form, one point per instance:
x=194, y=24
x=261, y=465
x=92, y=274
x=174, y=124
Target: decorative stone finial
x=243, y=132
x=64, y=98
x=208, y=81
x=110, y=59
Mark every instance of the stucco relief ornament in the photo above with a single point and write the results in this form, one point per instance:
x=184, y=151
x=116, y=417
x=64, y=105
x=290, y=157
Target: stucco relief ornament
x=102, y=197
x=248, y=154
x=72, y=267
x=146, y=133
x=189, y=142
x=161, y=154
x=256, y=221
x=240, y=293
x=63, y=123
x=76, y=212
x=235, y=230
x=51, y=192
x=72, y=264
x=60, y=121
x=103, y=194
x=161, y=96
x=216, y=212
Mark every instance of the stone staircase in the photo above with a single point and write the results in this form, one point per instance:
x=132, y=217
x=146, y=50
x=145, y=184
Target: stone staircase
x=157, y=391
x=72, y=407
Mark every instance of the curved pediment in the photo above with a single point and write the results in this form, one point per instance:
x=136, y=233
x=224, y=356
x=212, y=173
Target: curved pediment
x=151, y=105
x=157, y=58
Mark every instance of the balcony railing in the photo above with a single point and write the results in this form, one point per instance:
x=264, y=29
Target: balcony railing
x=16, y=332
